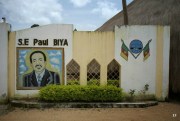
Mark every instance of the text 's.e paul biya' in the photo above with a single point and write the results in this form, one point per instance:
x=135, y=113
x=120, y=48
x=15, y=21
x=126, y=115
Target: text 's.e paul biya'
x=56, y=42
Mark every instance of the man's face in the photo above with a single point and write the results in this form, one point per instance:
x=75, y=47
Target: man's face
x=38, y=62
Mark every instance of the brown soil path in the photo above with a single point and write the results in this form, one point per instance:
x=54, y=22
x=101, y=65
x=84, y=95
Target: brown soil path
x=161, y=112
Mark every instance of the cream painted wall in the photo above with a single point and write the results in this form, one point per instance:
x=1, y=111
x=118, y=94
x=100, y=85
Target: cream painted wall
x=93, y=45
x=162, y=60
x=135, y=73
x=86, y=47
x=4, y=29
x=166, y=54
x=12, y=64
x=104, y=47
x=50, y=32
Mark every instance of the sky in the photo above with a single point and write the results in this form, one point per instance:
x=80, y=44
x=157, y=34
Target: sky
x=85, y=15
x=55, y=59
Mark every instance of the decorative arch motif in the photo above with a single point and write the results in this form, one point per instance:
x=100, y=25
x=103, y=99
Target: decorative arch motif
x=93, y=70
x=113, y=70
x=73, y=70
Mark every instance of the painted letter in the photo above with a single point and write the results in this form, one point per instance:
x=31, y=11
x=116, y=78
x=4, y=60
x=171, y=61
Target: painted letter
x=65, y=42
x=35, y=41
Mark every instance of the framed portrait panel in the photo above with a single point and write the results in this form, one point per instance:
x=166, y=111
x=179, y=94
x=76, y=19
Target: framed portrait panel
x=39, y=67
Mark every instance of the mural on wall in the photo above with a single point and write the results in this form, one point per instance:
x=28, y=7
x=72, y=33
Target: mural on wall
x=136, y=48
x=39, y=67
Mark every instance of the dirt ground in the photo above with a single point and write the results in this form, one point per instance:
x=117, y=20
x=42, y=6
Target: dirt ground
x=161, y=112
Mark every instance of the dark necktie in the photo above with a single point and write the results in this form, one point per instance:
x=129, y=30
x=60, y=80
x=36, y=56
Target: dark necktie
x=39, y=80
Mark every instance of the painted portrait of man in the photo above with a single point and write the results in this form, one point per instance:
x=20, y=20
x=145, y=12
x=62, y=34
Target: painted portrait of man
x=40, y=76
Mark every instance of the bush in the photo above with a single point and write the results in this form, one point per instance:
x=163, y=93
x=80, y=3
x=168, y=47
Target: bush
x=72, y=93
x=113, y=82
x=72, y=82
x=93, y=82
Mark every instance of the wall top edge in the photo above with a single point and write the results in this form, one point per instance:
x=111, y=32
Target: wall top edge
x=119, y=26
x=43, y=26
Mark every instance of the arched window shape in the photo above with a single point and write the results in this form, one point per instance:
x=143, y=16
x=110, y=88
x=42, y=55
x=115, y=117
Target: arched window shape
x=113, y=70
x=73, y=70
x=93, y=70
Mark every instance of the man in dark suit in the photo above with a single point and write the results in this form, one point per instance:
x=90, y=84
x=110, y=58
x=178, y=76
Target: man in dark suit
x=40, y=76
